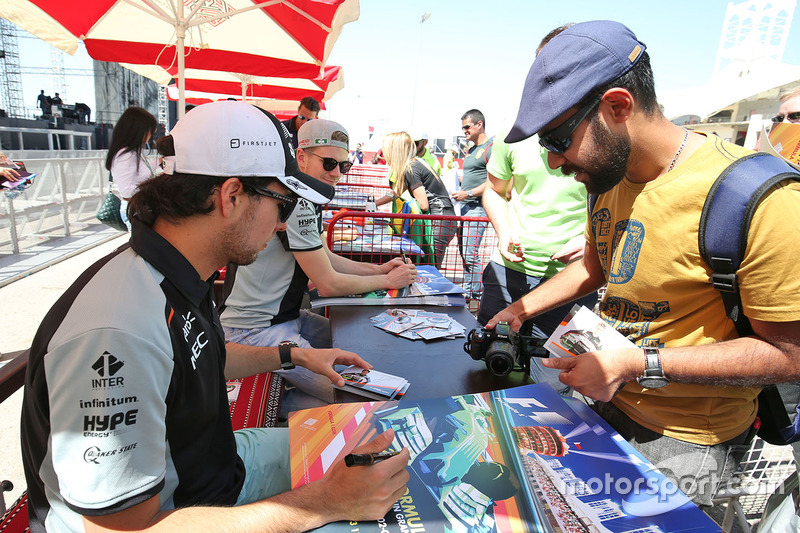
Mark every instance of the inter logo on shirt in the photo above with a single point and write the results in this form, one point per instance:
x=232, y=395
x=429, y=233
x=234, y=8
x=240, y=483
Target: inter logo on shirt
x=107, y=366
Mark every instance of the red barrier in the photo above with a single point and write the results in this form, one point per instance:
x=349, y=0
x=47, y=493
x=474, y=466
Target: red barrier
x=439, y=240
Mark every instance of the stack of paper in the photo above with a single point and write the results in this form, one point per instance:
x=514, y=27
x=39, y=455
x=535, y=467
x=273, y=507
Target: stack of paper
x=373, y=384
x=416, y=324
x=430, y=288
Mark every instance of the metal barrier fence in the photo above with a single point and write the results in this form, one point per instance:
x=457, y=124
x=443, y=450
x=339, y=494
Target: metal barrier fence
x=460, y=247
x=64, y=198
x=367, y=175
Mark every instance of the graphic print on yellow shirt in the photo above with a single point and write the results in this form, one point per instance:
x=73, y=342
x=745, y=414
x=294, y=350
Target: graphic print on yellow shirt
x=659, y=293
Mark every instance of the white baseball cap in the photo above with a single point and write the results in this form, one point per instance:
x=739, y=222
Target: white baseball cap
x=236, y=139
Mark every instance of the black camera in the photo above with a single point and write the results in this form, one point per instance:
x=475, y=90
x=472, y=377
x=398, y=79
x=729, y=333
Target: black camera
x=503, y=349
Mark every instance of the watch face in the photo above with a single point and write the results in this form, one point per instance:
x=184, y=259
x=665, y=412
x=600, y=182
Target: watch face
x=653, y=382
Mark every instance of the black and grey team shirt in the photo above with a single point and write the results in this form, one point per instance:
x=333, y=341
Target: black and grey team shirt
x=270, y=290
x=125, y=392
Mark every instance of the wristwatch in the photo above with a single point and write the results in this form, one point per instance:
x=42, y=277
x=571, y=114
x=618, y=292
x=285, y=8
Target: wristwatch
x=285, y=350
x=653, y=377
x=469, y=194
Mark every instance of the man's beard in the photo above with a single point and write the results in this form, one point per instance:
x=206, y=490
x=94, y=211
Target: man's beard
x=607, y=159
x=235, y=241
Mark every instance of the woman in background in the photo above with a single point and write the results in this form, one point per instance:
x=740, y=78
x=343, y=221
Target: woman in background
x=424, y=185
x=125, y=161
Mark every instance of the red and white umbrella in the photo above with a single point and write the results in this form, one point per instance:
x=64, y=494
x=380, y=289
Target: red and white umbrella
x=275, y=38
x=216, y=84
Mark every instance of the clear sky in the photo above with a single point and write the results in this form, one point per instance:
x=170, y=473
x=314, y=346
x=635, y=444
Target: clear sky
x=469, y=54
x=477, y=54
x=35, y=58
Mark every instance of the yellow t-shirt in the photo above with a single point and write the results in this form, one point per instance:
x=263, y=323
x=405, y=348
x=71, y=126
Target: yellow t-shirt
x=659, y=291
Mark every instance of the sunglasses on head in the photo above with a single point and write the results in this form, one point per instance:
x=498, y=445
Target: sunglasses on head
x=286, y=204
x=792, y=117
x=559, y=139
x=329, y=163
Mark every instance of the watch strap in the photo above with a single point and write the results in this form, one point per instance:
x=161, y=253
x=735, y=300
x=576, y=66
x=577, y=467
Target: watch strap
x=285, y=351
x=652, y=363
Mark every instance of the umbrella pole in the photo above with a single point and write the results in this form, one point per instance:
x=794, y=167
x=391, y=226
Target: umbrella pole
x=180, y=32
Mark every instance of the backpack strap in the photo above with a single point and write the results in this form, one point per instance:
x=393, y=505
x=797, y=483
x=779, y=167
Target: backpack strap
x=724, y=225
x=725, y=221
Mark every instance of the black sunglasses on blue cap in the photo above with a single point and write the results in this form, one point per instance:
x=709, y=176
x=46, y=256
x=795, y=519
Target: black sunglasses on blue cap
x=559, y=139
x=286, y=204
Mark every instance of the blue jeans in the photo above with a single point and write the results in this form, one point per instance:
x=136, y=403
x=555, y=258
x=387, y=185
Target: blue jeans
x=309, y=330
x=698, y=470
x=503, y=286
x=442, y=231
x=470, y=235
x=123, y=212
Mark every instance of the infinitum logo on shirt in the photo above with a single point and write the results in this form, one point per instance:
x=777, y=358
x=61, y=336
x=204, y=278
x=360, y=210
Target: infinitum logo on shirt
x=107, y=367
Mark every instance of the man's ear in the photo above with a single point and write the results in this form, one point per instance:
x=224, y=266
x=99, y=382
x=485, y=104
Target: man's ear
x=300, y=155
x=617, y=104
x=231, y=194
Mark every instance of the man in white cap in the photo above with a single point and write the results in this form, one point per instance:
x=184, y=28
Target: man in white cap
x=685, y=397
x=125, y=419
x=263, y=307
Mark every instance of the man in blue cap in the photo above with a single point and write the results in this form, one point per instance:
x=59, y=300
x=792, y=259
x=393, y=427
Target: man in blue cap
x=686, y=397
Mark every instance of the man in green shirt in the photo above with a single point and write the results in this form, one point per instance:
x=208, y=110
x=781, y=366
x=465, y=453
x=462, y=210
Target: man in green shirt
x=539, y=228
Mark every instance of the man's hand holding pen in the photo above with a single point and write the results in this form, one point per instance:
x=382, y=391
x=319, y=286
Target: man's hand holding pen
x=368, y=493
x=401, y=273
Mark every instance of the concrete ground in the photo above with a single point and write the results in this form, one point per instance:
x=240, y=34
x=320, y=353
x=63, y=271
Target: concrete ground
x=25, y=302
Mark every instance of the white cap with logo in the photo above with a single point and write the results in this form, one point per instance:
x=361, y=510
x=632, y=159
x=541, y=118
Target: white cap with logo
x=236, y=139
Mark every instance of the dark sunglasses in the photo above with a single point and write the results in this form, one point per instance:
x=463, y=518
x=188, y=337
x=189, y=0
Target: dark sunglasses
x=329, y=163
x=302, y=117
x=795, y=116
x=558, y=140
x=466, y=127
x=286, y=204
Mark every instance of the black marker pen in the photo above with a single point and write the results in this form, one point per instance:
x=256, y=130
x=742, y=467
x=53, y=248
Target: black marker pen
x=366, y=459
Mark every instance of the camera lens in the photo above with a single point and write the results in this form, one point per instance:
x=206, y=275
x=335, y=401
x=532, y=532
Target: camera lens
x=500, y=358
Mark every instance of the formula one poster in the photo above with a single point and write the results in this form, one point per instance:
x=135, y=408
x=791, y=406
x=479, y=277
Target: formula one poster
x=518, y=460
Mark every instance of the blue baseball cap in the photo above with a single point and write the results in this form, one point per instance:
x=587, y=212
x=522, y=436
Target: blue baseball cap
x=575, y=62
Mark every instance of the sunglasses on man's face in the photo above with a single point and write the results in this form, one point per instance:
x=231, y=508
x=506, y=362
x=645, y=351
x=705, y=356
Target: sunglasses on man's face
x=303, y=117
x=329, y=163
x=791, y=117
x=467, y=127
x=559, y=139
x=286, y=204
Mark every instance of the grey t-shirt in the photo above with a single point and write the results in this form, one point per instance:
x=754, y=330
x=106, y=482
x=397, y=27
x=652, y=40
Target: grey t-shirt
x=270, y=291
x=475, y=166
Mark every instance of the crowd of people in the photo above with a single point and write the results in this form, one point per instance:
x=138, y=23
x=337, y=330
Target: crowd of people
x=141, y=327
